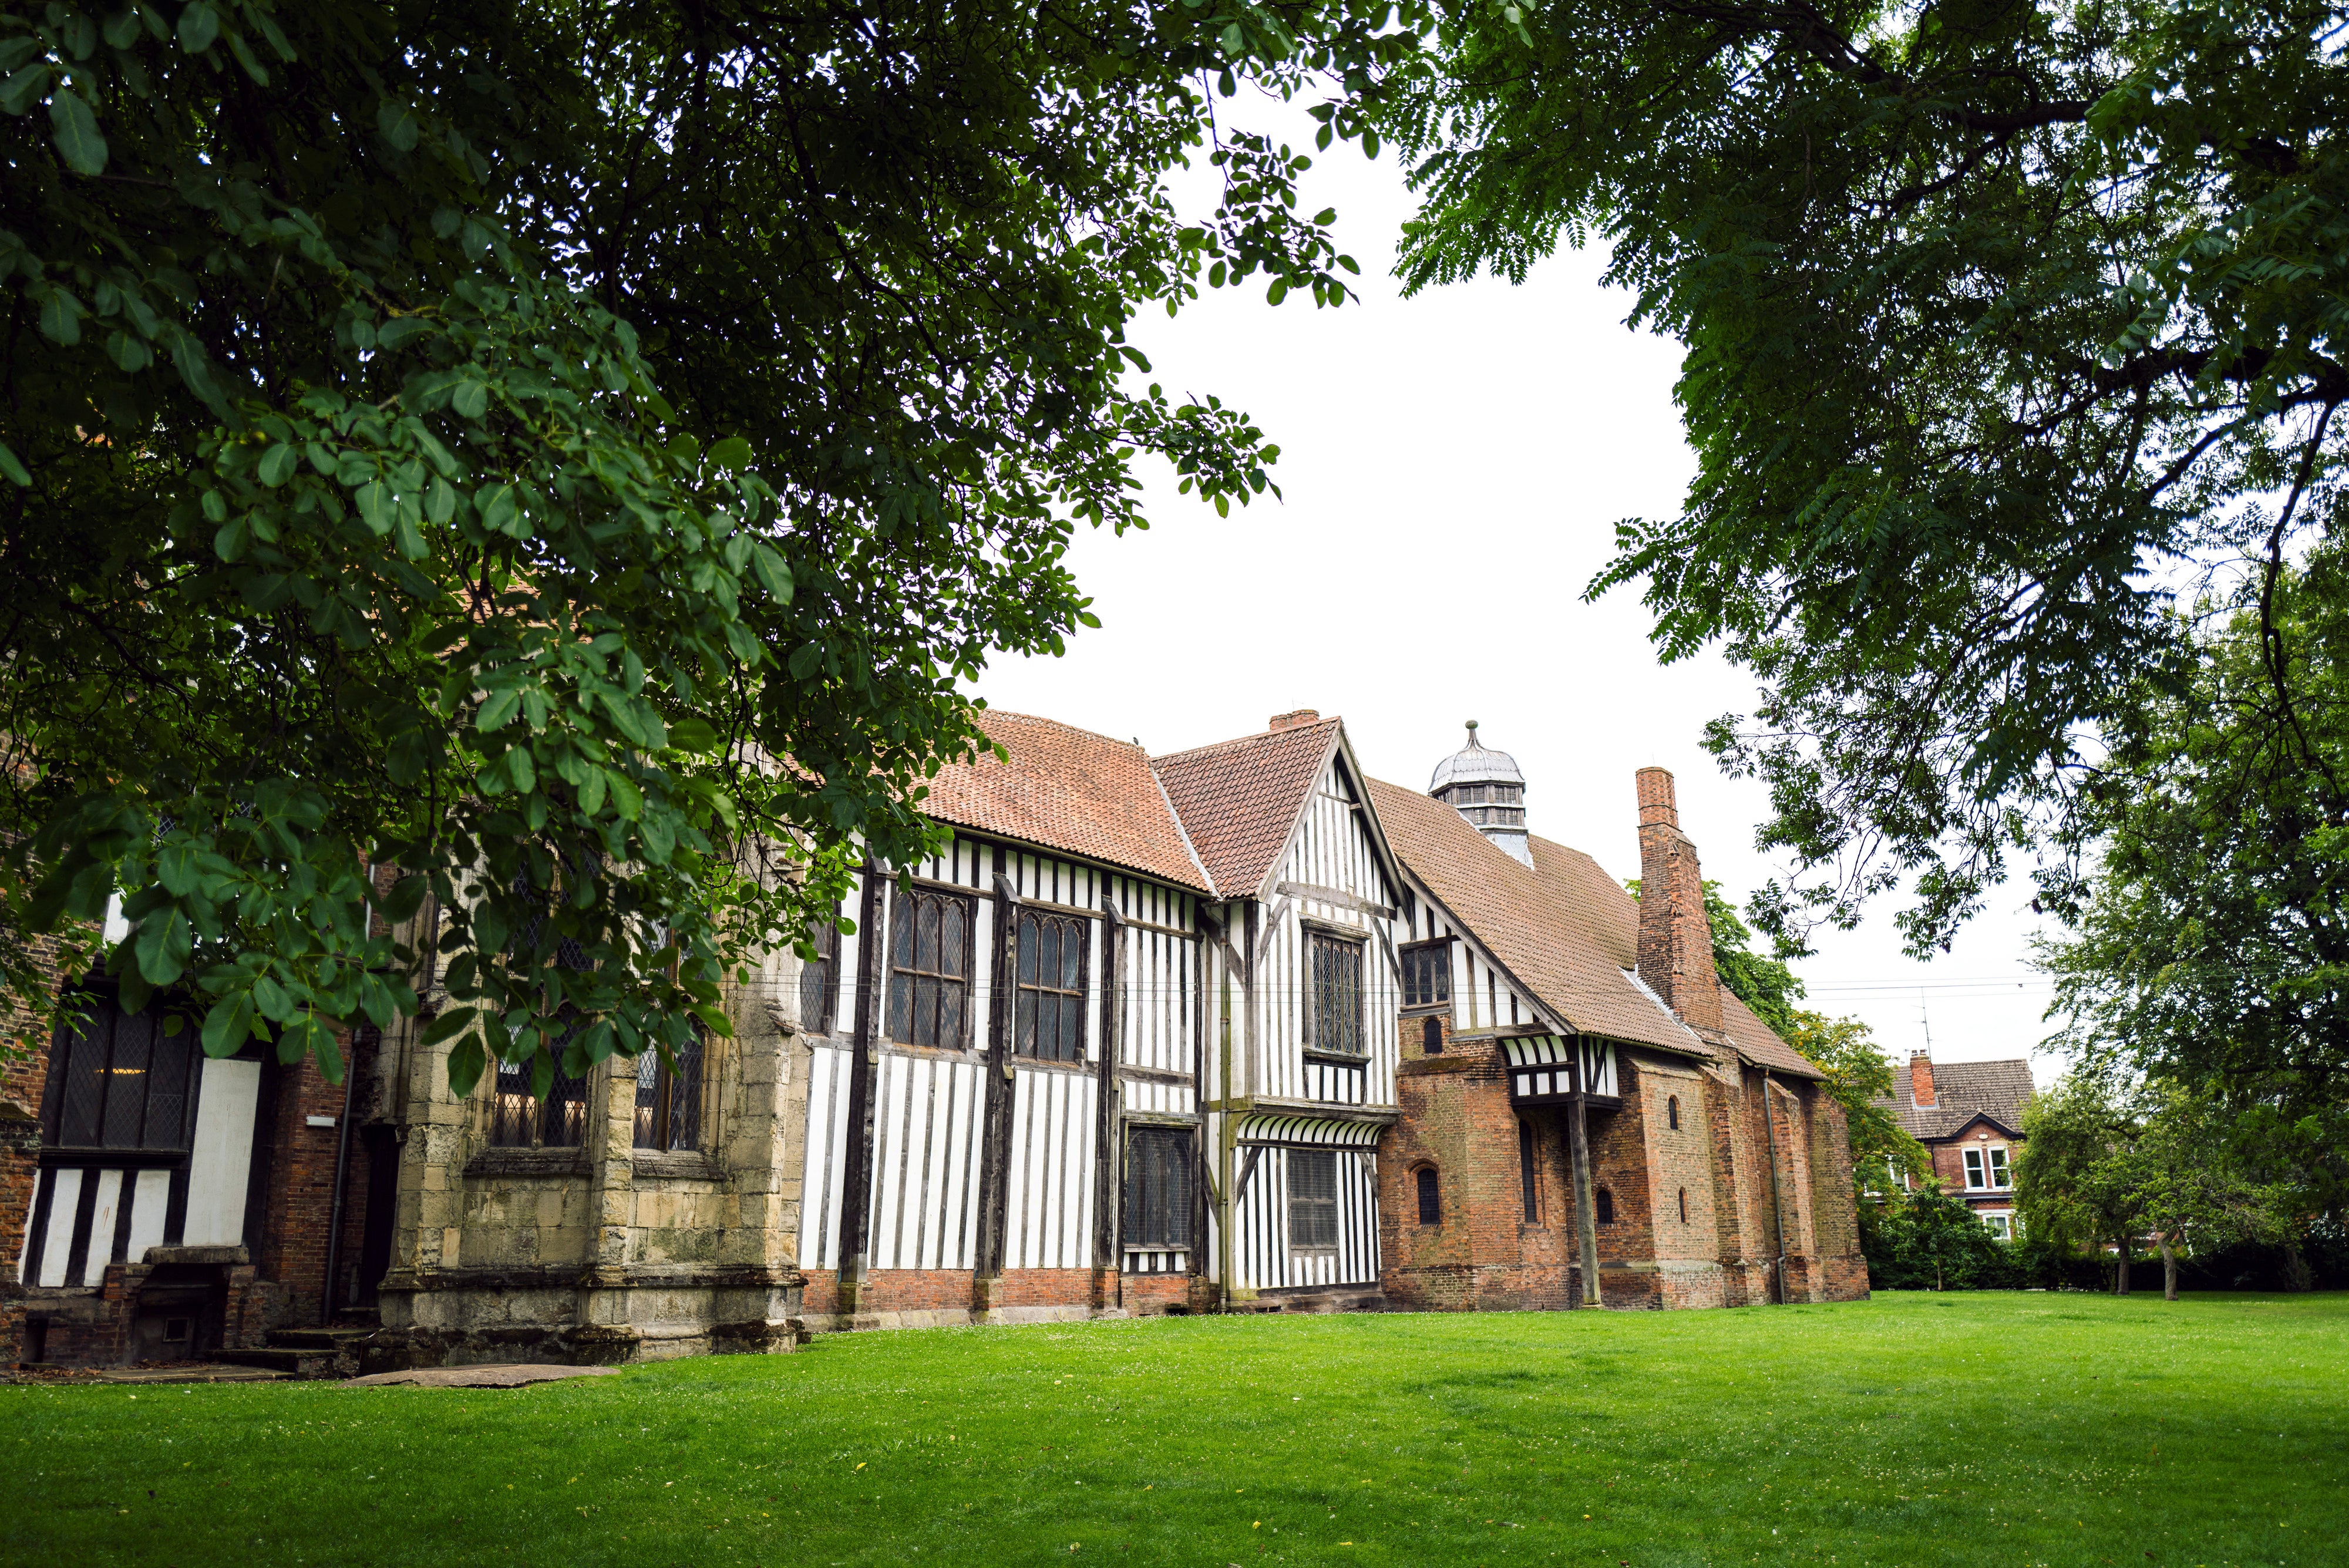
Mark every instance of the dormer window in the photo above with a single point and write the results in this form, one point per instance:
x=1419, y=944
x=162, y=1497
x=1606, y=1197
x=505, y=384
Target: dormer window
x=1427, y=974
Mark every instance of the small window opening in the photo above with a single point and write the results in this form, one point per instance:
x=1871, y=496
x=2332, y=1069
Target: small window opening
x=1673, y=1112
x=1431, y=1205
x=1683, y=1205
x=1528, y=1171
x=1430, y=1035
x=175, y=1331
x=1603, y=1202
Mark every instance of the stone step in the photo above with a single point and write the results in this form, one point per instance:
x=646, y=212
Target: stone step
x=291, y=1362
x=209, y=1372
x=329, y=1340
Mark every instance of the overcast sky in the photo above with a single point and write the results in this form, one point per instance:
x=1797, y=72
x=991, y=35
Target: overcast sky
x=1454, y=468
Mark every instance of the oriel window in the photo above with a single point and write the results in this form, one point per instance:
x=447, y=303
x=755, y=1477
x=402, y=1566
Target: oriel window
x=1049, y=1020
x=1157, y=1188
x=1337, y=994
x=1312, y=1198
x=1427, y=974
x=668, y=1101
x=929, y=977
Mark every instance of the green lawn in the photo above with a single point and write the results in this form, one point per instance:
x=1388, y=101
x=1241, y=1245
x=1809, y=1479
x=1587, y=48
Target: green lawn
x=1961, y=1429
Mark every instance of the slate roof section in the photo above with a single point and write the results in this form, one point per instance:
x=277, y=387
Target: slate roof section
x=1238, y=800
x=1071, y=790
x=1962, y=1091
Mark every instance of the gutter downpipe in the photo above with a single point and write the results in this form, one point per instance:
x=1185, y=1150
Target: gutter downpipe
x=327, y=1291
x=1777, y=1205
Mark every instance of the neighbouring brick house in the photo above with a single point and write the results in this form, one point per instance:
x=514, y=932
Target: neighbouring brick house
x=1233, y=1029
x=1969, y=1117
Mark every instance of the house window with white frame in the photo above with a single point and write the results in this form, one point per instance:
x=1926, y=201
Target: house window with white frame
x=1999, y=1176
x=2002, y=1225
x=1986, y=1169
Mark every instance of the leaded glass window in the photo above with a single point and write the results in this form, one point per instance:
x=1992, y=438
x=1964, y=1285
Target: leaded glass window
x=668, y=1100
x=1337, y=994
x=1427, y=974
x=1050, y=1019
x=929, y=969
x=1312, y=1198
x=1158, y=1187
x=118, y=1081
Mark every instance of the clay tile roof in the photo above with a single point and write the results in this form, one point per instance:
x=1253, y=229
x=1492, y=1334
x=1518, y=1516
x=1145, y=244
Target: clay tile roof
x=1758, y=1043
x=1240, y=799
x=1962, y=1091
x=1562, y=927
x=1071, y=790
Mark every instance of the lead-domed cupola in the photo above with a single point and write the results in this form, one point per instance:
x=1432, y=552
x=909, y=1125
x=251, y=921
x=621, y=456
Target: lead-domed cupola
x=1486, y=786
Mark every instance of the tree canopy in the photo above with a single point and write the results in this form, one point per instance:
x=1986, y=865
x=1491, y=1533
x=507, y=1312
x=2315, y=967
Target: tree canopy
x=2001, y=320
x=2212, y=953
x=565, y=452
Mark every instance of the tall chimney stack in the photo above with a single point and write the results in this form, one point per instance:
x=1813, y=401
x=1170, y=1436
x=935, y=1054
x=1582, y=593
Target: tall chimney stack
x=1675, y=938
x=1921, y=1078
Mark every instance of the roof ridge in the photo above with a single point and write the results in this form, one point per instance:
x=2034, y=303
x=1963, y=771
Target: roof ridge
x=1061, y=724
x=1158, y=757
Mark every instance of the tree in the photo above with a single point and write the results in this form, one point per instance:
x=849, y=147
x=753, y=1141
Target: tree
x=1998, y=319
x=2199, y=1193
x=2082, y=1178
x=2213, y=952
x=1928, y=1238
x=1859, y=1078
x=570, y=454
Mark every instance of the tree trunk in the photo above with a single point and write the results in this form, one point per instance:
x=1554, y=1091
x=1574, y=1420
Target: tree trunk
x=2168, y=1268
x=2296, y=1275
x=2120, y=1275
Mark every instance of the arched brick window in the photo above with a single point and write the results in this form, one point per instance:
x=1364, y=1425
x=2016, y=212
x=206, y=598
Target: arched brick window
x=1673, y=1112
x=1604, y=1203
x=1430, y=1035
x=1431, y=1203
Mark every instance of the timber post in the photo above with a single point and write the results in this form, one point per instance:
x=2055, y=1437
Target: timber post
x=1586, y=1211
x=995, y=1149
x=856, y=1177
x=1108, y=1281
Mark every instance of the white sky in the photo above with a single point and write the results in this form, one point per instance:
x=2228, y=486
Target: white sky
x=1453, y=467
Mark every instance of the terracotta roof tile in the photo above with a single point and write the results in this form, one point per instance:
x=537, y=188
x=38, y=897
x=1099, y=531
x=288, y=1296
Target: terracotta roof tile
x=1562, y=927
x=1071, y=790
x=1962, y=1091
x=1240, y=799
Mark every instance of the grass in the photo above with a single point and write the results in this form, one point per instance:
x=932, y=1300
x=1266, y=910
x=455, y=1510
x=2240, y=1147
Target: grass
x=1912, y=1430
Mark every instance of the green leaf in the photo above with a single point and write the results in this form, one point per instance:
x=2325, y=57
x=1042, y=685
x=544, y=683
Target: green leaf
x=75, y=130
x=199, y=27
x=398, y=123
x=466, y=1064
x=378, y=506
x=627, y=798
x=521, y=770
x=61, y=315
x=693, y=734
x=470, y=400
x=731, y=454
x=449, y=1025
x=14, y=468
x=277, y=464
x=228, y=1024
x=161, y=946
x=24, y=89
x=501, y=706
x=406, y=896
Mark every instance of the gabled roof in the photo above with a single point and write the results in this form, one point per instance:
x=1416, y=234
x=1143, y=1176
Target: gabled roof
x=1561, y=927
x=1071, y=790
x=1239, y=801
x=1565, y=929
x=1962, y=1091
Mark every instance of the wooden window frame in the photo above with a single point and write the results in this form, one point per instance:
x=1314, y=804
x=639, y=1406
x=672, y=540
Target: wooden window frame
x=1029, y=994
x=825, y=934
x=1166, y=1175
x=1313, y=1205
x=669, y=1109
x=1975, y=1160
x=2002, y=1168
x=1428, y=1189
x=1356, y=948
x=68, y=1046
x=900, y=1025
x=1440, y=948
x=1529, y=1169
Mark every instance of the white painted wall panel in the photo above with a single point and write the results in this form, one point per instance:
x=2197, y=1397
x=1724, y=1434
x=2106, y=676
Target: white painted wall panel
x=221, y=1162
x=65, y=1195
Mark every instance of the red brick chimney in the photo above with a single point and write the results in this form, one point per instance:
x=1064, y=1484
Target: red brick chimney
x=1675, y=938
x=1921, y=1078
x=1293, y=718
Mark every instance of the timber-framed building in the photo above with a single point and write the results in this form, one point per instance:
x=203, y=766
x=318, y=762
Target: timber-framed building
x=1233, y=1029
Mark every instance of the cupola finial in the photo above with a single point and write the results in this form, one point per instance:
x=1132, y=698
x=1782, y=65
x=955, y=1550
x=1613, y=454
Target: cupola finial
x=1486, y=787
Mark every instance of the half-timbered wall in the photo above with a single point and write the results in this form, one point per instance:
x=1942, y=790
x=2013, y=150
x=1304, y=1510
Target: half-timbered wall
x=929, y=1103
x=1330, y=881
x=1266, y=1255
